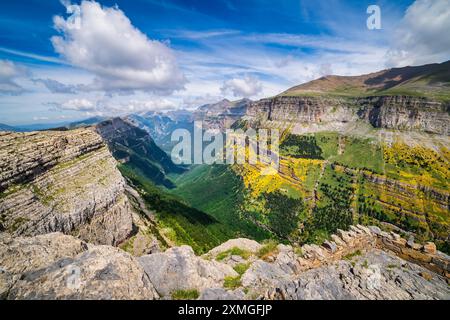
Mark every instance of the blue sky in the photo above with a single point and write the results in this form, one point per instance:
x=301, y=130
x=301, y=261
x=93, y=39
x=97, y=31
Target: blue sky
x=132, y=56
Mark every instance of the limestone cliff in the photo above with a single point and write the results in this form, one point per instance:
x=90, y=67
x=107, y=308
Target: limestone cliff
x=391, y=112
x=64, y=181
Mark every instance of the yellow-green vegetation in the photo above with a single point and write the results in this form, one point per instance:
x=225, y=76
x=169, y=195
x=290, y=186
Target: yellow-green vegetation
x=235, y=251
x=127, y=246
x=326, y=181
x=17, y=223
x=241, y=268
x=218, y=191
x=185, y=294
x=235, y=282
x=333, y=205
x=352, y=255
x=417, y=165
x=232, y=282
x=269, y=249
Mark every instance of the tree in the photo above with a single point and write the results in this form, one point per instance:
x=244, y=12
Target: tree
x=283, y=212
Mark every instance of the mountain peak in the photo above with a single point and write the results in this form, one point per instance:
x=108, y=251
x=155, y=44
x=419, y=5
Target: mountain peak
x=432, y=80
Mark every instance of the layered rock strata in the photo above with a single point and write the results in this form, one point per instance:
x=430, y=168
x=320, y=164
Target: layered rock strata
x=390, y=112
x=62, y=181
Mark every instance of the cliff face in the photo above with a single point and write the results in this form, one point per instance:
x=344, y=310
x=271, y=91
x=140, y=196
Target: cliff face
x=134, y=146
x=391, y=112
x=405, y=113
x=64, y=181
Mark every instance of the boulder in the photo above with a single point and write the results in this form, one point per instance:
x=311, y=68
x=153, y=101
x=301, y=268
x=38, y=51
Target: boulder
x=180, y=269
x=330, y=245
x=57, y=266
x=430, y=248
x=241, y=243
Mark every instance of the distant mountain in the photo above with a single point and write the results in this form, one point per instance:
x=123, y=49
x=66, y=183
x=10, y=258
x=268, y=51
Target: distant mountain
x=161, y=125
x=225, y=107
x=86, y=122
x=219, y=115
x=5, y=127
x=432, y=80
x=134, y=147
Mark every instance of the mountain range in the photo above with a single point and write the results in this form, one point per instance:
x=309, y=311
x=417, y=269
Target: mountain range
x=363, y=184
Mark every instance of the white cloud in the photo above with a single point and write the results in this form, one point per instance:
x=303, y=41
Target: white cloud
x=422, y=36
x=55, y=86
x=9, y=72
x=77, y=105
x=242, y=87
x=103, y=41
x=40, y=118
x=112, y=106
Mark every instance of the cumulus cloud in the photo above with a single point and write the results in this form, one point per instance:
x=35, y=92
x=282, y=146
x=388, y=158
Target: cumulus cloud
x=75, y=105
x=242, y=87
x=422, y=36
x=9, y=72
x=103, y=41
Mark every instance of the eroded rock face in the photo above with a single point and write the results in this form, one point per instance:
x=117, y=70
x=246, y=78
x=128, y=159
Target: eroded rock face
x=62, y=181
x=374, y=275
x=180, y=269
x=391, y=112
x=56, y=266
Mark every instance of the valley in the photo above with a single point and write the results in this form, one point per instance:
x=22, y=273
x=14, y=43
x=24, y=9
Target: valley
x=362, y=177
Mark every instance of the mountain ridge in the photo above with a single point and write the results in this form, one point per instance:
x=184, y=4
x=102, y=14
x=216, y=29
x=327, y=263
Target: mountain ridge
x=428, y=80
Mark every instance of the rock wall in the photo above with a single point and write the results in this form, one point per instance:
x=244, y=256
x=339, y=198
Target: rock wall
x=391, y=112
x=62, y=181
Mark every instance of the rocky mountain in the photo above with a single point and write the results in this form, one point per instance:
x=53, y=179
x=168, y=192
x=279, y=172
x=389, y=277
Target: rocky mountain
x=358, y=210
x=5, y=127
x=132, y=145
x=62, y=181
x=220, y=116
x=428, y=80
x=303, y=113
x=411, y=99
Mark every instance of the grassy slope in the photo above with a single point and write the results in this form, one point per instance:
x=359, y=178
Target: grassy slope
x=181, y=223
x=218, y=191
x=430, y=81
x=408, y=207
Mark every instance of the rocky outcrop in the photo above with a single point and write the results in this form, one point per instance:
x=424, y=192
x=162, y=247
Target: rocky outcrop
x=391, y=112
x=341, y=269
x=62, y=181
x=57, y=266
x=361, y=263
x=180, y=269
x=405, y=113
x=375, y=275
x=248, y=245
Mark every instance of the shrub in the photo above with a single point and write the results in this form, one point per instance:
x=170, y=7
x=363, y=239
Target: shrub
x=241, y=268
x=268, y=249
x=185, y=294
x=232, y=282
